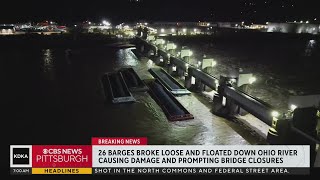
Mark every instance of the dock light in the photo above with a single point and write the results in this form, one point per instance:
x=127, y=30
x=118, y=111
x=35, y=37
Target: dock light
x=184, y=30
x=162, y=30
x=252, y=80
x=293, y=107
x=275, y=114
x=174, y=68
x=173, y=30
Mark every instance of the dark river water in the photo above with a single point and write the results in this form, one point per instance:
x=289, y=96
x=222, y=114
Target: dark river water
x=52, y=99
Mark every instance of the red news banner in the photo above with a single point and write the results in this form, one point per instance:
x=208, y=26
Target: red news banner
x=119, y=141
x=62, y=159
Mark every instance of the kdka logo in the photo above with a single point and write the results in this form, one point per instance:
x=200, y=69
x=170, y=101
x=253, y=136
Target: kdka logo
x=20, y=155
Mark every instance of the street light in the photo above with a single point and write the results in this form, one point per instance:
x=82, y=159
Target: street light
x=293, y=107
x=275, y=114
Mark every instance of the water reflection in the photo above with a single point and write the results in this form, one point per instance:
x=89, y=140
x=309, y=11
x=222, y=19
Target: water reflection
x=48, y=64
x=311, y=45
x=125, y=57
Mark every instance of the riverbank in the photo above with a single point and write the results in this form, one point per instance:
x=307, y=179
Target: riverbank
x=65, y=40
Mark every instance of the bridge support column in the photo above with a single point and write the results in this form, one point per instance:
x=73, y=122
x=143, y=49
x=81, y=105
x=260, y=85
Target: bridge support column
x=223, y=105
x=199, y=86
x=180, y=72
x=142, y=49
x=172, y=69
x=188, y=82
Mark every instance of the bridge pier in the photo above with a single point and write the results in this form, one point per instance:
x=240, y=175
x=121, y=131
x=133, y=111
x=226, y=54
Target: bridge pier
x=299, y=126
x=221, y=104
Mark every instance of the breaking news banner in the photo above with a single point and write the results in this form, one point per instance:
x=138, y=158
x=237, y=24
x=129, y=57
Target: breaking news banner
x=123, y=156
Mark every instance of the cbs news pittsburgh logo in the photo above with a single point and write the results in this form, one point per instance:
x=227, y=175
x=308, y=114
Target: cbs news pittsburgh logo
x=20, y=159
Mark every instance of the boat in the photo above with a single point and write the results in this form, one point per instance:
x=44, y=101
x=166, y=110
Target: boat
x=133, y=81
x=172, y=108
x=115, y=88
x=168, y=81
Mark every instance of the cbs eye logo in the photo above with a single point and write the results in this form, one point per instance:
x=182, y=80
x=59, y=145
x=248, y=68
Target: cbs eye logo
x=20, y=156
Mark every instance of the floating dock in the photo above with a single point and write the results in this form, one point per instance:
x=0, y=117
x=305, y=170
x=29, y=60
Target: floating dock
x=169, y=104
x=115, y=88
x=168, y=81
x=133, y=81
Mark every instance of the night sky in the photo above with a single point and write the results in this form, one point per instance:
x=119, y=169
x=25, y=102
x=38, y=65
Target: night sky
x=116, y=11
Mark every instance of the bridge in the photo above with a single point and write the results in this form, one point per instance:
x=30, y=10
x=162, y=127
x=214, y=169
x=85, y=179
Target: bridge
x=297, y=126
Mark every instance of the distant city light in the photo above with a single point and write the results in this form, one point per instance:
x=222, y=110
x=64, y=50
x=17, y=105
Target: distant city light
x=145, y=24
x=195, y=30
x=162, y=30
x=184, y=30
x=295, y=21
x=301, y=21
x=172, y=30
x=267, y=23
x=89, y=22
x=106, y=23
x=307, y=22
x=208, y=24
